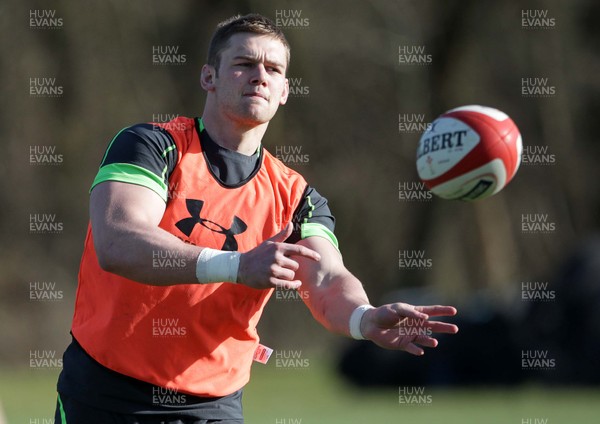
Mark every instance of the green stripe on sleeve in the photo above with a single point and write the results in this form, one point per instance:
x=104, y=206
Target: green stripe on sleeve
x=168, y=149
x=164, y=155
x=311, y=209
x=310, y=229
x=133, y=174
x=63, y=416
x=110, y=144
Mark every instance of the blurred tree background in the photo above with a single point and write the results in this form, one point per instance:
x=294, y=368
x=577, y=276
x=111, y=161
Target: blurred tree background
x=345, y=58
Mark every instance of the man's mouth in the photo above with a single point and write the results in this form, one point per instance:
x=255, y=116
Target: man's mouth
x=255, y=94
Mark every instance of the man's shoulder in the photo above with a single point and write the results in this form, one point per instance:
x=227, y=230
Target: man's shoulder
x=168, y=131
x=176, y=126
x=277, y=165
x=283, y=177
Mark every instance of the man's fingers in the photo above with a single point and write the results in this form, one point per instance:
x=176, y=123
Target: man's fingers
x=414, y=349
x=297, y=250
x=408, y=311
x=405, y=327
x=289, y=249
x=282, y=273
x=284, y=284
x=442, y=327
x=283, y=235
x=426, y=341
x=415, y=346
x=437, y=310
x=285, y=262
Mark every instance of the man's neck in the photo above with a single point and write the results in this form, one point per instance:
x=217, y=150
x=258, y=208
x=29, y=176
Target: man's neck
x=233, y=136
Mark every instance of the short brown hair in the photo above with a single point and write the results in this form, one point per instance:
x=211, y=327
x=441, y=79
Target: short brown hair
x=253, y=23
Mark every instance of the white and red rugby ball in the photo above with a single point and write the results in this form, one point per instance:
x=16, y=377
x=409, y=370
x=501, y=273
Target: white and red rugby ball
x=469, y=153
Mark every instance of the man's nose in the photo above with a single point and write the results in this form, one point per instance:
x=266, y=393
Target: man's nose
x=259, y=76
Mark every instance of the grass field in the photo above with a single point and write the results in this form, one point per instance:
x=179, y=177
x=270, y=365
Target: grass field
x=317, y=396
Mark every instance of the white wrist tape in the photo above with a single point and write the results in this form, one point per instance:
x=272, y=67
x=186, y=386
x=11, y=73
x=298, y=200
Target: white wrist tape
x=215, y=266
x=355, y=319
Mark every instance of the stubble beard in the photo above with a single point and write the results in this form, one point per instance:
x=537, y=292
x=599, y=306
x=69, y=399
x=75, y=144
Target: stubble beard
x=251, y=115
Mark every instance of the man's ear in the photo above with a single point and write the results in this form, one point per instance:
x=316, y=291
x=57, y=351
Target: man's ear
x=207, y=77
x=286, y=93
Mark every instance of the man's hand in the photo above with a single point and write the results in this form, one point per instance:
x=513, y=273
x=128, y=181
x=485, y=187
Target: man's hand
x=405, y=327
x=269, y=265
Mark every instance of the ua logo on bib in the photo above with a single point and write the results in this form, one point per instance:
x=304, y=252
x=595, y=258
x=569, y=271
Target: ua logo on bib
x=194, y=207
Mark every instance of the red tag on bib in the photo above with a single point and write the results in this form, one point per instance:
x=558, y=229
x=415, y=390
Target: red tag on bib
x=262, y=353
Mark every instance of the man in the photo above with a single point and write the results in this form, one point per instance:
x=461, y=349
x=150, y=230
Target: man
x=239, y=224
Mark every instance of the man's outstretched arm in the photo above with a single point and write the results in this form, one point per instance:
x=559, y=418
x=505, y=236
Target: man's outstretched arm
x=332, y=293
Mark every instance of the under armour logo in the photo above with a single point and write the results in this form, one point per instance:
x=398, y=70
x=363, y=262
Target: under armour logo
x=194, y=207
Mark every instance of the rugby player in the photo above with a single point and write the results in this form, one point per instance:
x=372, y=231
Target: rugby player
x=206, y=192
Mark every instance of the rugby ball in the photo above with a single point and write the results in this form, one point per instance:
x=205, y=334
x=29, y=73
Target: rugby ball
x=469, y=153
